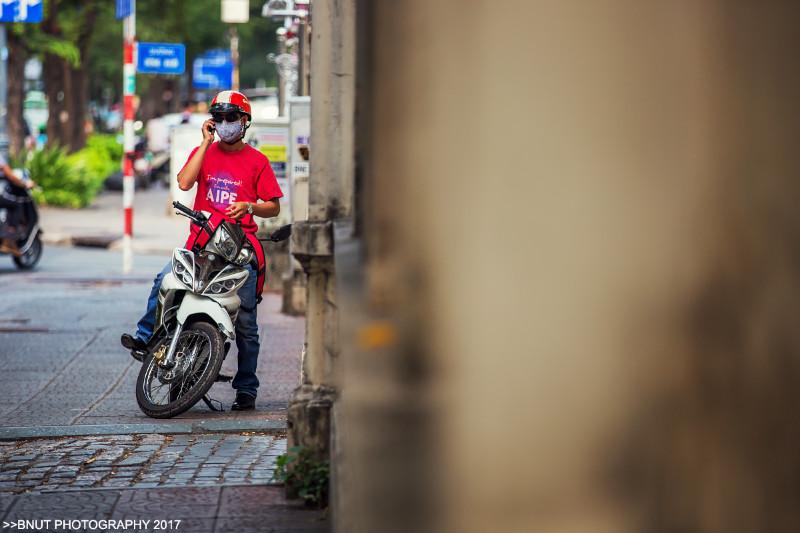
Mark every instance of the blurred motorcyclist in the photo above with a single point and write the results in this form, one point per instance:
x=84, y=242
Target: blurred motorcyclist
x=10, y=230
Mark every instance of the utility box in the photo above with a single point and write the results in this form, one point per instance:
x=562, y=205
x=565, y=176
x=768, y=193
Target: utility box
x=299, y=154
x=271, y=138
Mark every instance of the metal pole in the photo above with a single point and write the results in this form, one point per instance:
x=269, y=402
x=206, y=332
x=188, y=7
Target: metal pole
x=3, y=89
x=302, y=59
x=281, y=85
x=128, y=92
x=235, y=56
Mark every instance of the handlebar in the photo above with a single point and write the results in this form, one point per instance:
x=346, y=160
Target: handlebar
x=197, y=216
x=185, y=210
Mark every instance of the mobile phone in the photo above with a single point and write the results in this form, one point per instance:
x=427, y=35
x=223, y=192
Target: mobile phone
x=212, y=129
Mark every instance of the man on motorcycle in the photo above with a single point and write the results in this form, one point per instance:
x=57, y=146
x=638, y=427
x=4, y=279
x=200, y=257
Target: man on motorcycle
x=11, y=229
x=231, y=177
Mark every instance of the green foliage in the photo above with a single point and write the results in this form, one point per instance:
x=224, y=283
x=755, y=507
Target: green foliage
x=101, y=157
x=257, y=39
x=39, y=42
x=105, y=61
x=59, y=183
x=74, y=180
x=304, y=475
x=196, y=24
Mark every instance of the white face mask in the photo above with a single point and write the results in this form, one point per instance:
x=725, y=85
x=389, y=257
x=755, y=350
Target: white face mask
x=230, y=132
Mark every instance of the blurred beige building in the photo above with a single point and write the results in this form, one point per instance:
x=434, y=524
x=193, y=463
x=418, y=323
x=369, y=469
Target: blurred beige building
x=553, y=252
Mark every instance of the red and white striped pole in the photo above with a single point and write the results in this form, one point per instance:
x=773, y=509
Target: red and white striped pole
x=128, y=92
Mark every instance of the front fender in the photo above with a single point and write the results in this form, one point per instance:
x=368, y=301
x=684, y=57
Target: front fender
x=193, y=305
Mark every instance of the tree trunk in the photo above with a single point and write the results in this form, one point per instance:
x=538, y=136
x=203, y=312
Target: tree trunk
x=54, y=72
x=66, y=86
x=77, y=99
x=77, y=106
x=151, y=98
x=17, y=55
x=57, y=86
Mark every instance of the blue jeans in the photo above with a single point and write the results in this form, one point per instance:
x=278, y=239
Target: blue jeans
x=246, y=330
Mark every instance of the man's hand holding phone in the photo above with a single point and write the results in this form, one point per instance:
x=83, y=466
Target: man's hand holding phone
x=208, y=131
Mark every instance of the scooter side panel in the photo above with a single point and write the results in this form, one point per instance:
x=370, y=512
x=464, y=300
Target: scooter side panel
x=201, y=305
x=230, y=302
x=170, y=282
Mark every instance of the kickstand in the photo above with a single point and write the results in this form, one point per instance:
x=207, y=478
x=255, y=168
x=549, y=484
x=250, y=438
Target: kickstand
x=211, y=405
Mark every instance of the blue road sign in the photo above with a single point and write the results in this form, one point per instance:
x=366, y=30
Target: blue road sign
x=123, y=8
x=161, y=58
x=31, y=11
x=213, y=70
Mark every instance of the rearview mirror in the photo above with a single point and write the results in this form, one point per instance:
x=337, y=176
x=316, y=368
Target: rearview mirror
x=281, y=234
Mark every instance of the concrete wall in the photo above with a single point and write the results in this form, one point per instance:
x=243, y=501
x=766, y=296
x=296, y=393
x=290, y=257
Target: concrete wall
x=576, y=308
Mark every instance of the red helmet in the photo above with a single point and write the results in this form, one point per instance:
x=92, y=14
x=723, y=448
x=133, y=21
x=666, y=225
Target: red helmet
x=227, y=101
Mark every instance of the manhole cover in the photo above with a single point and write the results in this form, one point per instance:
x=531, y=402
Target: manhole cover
x=94, y=241
x=9, y=329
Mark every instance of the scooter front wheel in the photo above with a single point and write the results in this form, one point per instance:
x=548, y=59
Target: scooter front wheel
x=198, y=358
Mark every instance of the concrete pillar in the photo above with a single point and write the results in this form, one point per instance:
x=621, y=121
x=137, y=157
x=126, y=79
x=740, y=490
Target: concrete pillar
x=573, y=303
x=332, y=109
x=330, y=189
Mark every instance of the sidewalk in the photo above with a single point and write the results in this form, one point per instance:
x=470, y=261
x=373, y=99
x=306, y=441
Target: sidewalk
x=239, y=509
x=155, y=229
x=73, y=443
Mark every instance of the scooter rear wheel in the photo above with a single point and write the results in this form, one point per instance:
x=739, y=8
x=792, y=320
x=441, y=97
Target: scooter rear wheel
x=202, y=344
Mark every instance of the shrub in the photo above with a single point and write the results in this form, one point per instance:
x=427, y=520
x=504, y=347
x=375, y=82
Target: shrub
x=303, y=475
x=101, y=156
x=60, y=183
x=74, y=180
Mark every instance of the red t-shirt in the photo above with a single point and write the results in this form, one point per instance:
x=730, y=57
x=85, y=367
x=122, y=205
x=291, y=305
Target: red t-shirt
x=228, y=177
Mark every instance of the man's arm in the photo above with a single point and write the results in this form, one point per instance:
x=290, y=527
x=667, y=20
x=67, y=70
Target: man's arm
x=268, y=209
x=13, y=178
x=188, y=175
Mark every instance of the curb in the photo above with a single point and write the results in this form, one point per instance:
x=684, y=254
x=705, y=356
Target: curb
x=57, y=239
x=66, y=240
x=164, y=428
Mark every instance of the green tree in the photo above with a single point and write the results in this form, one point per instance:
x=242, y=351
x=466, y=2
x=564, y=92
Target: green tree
x=80, y=43
x=197, y=25
x=66, y=80
x=256, y=41
x=25, y=41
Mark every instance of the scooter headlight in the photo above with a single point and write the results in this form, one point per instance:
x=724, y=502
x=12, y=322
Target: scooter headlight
x=229, y=280
x=183, y=266
x=216, y=288
x=224, y=244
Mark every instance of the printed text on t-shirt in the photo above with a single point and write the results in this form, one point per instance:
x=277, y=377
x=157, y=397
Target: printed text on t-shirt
x=222, y=190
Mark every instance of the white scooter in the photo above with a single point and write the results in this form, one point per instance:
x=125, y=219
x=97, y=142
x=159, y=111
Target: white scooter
x=197, y=309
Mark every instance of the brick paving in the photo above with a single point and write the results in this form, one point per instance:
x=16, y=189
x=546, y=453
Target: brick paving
x=137, y=461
